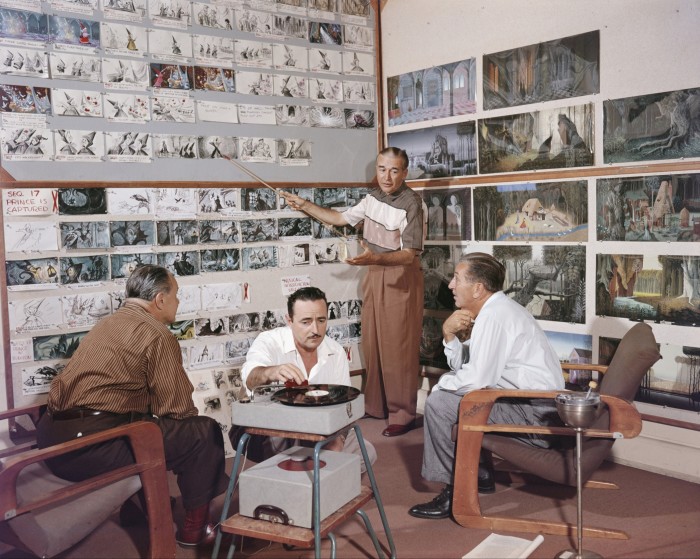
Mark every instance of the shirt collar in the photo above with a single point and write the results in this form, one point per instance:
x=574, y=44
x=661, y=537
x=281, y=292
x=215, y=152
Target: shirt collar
x=394, y=195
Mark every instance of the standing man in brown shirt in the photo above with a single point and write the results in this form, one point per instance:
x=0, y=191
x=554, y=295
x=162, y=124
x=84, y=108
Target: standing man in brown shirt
x=129, y=368
x=392, y=290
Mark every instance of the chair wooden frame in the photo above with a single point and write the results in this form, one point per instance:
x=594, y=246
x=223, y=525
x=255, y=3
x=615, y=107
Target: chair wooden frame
x=146, y=441
x=474, y=409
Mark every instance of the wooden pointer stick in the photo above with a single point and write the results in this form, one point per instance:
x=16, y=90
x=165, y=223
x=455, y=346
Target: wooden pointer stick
x=257, y=178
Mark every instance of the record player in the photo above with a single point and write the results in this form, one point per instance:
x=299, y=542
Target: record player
x=320, y=409
x=280, y=489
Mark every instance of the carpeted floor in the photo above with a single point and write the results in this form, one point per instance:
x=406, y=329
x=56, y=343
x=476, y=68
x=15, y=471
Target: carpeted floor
x=661, y=515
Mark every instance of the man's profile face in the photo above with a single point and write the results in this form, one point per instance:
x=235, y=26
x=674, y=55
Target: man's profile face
x=462, y=287
x=309, y=324
x=390, y=173
x=170, y=302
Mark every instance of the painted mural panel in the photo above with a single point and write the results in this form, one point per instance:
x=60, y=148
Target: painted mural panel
x=654, y=208
x=549, y=281
x=440, y=151
x=548, y=139
x=660, y=288
x=437, y=92
x=544, y=211
x=568, y=67
x=657, y=126
x=449, y=214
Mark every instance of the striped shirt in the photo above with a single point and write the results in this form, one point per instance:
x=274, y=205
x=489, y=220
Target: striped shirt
x=392, y=221
x=128, y=362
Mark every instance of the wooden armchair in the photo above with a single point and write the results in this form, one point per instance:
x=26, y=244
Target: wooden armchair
x=619, y=419
x=44, y=515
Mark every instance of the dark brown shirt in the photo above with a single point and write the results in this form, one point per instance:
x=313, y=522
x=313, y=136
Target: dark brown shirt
x=129, y=362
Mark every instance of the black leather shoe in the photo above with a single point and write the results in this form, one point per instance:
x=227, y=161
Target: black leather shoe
x=486, y=482
x=439, y=507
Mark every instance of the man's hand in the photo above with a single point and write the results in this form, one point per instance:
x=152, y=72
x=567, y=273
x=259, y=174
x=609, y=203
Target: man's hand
x=295, y=202
x=459, y=324
x=365, y=258
x=287, y=372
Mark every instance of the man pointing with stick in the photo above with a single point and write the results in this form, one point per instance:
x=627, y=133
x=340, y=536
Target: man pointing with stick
x=392, y=290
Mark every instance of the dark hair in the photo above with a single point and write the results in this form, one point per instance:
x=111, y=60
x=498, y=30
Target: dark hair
x=146, y=281
x=484, y=268
x=396, y=152
x=305, y=294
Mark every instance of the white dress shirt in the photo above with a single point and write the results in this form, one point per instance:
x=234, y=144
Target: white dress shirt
x=507, y=349
x=276, y=347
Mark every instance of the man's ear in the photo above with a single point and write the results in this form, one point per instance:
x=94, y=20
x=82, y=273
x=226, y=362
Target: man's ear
x=288, y=319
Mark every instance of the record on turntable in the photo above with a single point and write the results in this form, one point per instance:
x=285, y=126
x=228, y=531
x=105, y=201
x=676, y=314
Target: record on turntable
x=316, y=395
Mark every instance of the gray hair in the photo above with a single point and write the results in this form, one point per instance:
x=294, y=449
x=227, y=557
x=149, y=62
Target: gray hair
x=146, y=281
x=484, y=268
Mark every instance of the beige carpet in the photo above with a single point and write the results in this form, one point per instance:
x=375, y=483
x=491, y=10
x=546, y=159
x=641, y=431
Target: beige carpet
x=661, y=514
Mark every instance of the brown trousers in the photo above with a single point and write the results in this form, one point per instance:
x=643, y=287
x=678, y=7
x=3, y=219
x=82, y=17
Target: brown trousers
x=392, y=322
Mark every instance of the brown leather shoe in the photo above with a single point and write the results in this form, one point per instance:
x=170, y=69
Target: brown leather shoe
x=203, y=539
x=395, y=430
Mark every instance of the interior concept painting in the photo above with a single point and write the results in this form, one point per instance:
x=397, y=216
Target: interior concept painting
x=659, y=288
x=533, y=211
x=549, y=281
x=574, y=348
x=449, y=214
x=656, y=126
x=673, y=381
x=436, y=92
x=432, y=352
x=661, y=208
x=547, y=139
x=558, y=69
x=439, y=151
x=438, y=269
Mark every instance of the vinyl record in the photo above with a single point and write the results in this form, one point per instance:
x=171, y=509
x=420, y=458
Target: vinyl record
x=316, y=395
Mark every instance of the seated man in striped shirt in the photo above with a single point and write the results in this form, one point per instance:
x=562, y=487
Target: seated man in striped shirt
x=129, y=368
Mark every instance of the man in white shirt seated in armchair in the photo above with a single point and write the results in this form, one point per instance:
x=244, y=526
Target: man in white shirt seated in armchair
x=295, y=353
x=490, y=342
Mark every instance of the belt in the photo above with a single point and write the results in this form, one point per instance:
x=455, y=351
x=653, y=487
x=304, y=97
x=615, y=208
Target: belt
x=80, y=413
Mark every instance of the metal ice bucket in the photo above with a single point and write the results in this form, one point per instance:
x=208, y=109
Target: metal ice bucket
x=578, y=409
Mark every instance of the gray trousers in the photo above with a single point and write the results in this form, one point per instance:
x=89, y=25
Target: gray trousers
x=442, y=411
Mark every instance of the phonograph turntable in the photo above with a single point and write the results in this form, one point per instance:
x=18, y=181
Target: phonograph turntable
x=321, y=409
x=280, y=489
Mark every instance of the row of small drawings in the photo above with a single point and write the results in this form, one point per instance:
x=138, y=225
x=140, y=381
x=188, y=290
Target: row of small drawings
x=123, y=73
x=209, y=15
x=199, y=355
x=37, y=144
x=24, y=28
x=43, y=236
x=164, y=202
x=47, y=273
x=41, y=314
x=24, y=105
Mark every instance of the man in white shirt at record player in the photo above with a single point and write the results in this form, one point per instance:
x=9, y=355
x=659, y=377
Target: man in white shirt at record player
x=298, y=352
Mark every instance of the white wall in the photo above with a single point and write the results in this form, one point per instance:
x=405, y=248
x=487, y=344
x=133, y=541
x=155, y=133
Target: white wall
x=646, y=46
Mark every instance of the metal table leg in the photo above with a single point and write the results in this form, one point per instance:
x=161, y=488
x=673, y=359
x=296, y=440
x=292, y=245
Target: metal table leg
x=229, y=495
x=375, y=490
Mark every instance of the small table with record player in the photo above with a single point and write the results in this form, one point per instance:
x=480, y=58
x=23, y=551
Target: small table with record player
x=281, y=499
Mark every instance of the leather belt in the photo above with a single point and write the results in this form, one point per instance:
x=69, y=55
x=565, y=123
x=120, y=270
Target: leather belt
x=80, y=413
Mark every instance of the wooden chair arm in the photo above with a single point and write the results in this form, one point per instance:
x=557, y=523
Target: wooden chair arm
x=33, y=411
x=146, y=442
x=475, y=407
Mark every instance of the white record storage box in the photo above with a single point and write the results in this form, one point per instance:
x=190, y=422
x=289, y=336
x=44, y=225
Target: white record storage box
x=268, y=488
